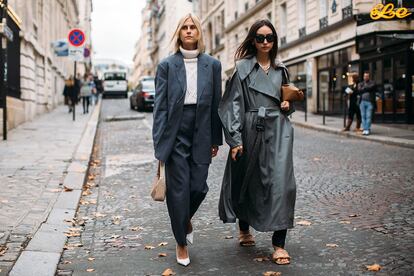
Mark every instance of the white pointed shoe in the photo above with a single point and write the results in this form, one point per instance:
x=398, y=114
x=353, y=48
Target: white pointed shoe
x=190, y=237
x=183, y=262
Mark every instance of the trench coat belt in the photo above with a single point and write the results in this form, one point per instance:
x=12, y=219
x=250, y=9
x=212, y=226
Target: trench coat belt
x=270, y=108
x=254, y=147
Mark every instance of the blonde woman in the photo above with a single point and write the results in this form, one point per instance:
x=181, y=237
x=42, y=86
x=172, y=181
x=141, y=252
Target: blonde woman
x=187, y=128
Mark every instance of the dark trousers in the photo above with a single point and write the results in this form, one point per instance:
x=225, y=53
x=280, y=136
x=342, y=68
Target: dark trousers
x=85, y=104
x=186, y=180
x=278, y=238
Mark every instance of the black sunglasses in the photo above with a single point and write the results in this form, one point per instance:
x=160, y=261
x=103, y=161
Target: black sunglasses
x=261, y=38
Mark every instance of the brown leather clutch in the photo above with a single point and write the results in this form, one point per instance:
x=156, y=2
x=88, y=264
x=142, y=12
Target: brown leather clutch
x=291, y=93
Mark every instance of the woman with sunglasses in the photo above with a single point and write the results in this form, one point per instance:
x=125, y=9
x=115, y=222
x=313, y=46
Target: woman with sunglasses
x=259, y=185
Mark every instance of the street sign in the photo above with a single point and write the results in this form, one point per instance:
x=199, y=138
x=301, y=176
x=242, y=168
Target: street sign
x=60, y=47
x=76, y=53
x=86, y=52
x=76, y=37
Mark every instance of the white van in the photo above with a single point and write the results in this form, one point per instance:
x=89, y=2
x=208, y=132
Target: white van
x=115, y=83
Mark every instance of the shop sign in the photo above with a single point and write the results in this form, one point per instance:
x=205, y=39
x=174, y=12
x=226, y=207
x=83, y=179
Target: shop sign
x=381, y=11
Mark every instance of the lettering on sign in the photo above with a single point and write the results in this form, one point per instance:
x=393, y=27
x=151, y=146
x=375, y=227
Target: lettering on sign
x=388, y=12
x=305, y=47
x=332, y=38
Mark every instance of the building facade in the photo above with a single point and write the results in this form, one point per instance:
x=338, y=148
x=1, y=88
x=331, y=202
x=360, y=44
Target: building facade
x=322, y=42
x=162, y=22
x=142, y=64
x=35, y=75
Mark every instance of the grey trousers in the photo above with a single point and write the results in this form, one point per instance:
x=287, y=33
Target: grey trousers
x=186, y=180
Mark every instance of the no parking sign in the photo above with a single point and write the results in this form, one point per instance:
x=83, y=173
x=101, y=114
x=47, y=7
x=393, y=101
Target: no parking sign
x=76, y=40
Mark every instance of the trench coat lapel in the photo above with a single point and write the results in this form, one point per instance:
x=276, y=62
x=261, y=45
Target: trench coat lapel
x=180, y=73
x=202, y=75
x=262, y=83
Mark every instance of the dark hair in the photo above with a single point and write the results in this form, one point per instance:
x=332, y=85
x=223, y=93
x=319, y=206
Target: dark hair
x=248, y=50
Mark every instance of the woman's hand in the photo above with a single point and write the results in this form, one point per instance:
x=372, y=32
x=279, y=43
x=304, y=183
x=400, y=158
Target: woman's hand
x=285, y=105
x=214, y=150
x=235, y=150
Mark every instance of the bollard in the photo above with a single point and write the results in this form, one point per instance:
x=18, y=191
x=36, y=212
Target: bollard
x=323, y=109
x=306, y=107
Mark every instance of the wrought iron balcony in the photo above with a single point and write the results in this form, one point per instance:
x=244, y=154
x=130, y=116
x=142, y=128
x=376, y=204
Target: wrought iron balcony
x=282, y=40
x=302, y=32
x=347, y=12
x=323, y=22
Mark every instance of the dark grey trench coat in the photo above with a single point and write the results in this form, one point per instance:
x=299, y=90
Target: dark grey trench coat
x=265, y=196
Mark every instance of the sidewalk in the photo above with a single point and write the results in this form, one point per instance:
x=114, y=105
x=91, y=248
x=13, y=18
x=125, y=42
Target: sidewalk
x=391, y=134
x=37, y=160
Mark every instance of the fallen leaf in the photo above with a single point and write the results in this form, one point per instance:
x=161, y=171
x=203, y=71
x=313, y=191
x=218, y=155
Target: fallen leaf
x=149, y=247
x=228, y=237
x=261, y=259
x=72, y=234
x=272, y=273
x=304, y=223
x=331, y=245
x=99, y=215
x=90, y=270
x=116, y=220
x=91, y=259
x=168, y=272
x=162, y=243
x=67, y=262
x=91, y=177
x=86, y=192
x=345, y=222
x=353, y=215
x=3, y=249
x=67, y=189
x=374, y=267
x=316, y=159
x=162, y=255
x=55, y=190
x=137, y=228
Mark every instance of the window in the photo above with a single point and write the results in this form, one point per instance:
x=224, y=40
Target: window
x=246, y=6
x=323, y=8
x=283, y=20
x=269, y=16
x=302, y=18
x=236, y=15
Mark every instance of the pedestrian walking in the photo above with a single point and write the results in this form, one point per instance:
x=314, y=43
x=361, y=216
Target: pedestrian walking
x=353, y=106
x=86, y=92
x=99, y=88
x=367, y=89
x=187, y=129
x=258, y=185
x=70, y=93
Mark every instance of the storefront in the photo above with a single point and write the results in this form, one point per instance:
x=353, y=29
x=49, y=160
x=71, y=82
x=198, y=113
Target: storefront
x=332, y=79
x=389, y=57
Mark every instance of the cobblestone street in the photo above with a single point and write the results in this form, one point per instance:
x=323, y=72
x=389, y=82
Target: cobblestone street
x=357, y=196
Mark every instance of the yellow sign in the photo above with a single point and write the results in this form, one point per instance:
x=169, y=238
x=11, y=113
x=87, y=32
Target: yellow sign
x=388, y=12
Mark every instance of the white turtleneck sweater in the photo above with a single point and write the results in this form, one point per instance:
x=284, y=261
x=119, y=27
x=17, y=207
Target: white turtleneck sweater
x=190, y=62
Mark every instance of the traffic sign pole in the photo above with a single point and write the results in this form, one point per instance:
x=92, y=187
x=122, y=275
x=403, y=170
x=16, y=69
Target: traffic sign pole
x=74, y=99
x=76, y=38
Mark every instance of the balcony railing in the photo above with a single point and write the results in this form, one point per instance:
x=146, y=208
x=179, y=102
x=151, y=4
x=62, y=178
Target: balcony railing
x=347, y=12
x=302, y=32
x=282, y=40
x=323, y=22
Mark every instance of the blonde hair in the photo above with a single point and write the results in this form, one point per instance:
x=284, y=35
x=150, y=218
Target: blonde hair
x=176, y=37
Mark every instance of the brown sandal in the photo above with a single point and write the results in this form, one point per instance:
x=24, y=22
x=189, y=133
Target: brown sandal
x=281, y=256
x=246, y=239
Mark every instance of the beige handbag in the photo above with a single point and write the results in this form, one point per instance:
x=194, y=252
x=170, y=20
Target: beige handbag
x=159, y=187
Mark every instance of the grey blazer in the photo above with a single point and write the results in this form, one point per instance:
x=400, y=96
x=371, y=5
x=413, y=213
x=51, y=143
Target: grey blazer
x=170, y=87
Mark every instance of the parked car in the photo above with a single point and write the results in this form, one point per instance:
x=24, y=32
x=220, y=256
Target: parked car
x=142, y=97
x=115, y=83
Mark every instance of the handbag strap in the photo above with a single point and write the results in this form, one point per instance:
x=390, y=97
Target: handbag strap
x=285, y=77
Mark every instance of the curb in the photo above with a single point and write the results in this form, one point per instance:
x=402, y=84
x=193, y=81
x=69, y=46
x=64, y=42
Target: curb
x=43, y=252
x=375, y=138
